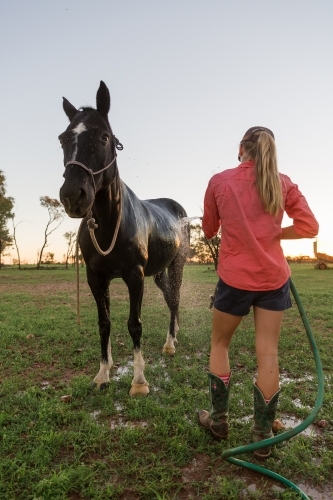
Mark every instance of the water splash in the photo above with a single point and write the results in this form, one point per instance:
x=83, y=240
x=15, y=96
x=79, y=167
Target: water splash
x=94, y=414
x=187, y=220
x=287, y=379
x=121, y=422
x=122, y=370
x=298, y=403
x=291, y=421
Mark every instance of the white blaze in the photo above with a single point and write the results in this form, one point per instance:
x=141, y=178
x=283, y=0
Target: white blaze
x=77, y=131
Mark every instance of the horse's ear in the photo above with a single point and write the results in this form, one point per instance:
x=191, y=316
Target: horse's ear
x=69, y=109
x=103, y=100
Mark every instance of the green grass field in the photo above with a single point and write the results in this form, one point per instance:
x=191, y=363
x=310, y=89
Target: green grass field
x=105, y=445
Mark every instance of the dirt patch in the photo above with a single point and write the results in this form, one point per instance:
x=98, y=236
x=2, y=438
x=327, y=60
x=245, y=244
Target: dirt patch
x=118, y=290
x=129, y=495
x=197, y=471
x=37, y=288
x=75, y=496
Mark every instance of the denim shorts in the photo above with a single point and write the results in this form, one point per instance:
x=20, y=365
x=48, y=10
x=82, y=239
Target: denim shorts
x=238, y=302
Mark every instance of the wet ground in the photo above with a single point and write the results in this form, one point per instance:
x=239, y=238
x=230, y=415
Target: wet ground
x=196, y=470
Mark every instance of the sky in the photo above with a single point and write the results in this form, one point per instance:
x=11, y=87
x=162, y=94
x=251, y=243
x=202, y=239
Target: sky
x=187, y=78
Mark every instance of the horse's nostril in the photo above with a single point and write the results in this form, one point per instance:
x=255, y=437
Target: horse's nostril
x=82, y=195
x=66, y=204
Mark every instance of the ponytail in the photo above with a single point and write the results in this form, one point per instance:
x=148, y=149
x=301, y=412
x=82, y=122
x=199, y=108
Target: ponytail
x=262, y=149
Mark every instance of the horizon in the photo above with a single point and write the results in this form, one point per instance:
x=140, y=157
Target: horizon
x=323, y=247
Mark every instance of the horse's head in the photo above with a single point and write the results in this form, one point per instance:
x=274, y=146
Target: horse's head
x=89, y=154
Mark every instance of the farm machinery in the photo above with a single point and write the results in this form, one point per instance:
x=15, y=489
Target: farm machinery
x=323, y=259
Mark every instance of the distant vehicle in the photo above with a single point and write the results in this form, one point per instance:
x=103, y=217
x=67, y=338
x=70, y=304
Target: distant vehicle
x=323, y=259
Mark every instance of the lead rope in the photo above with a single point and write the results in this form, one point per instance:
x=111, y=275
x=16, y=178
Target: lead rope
x=92, y=226
x=77, y=275
x=91, y=222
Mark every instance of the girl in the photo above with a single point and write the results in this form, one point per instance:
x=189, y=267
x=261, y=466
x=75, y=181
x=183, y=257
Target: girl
x=248, y=203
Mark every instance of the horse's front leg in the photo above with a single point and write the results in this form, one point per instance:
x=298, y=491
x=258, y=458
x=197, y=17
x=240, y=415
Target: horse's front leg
x=100, y=290
x=135, y=282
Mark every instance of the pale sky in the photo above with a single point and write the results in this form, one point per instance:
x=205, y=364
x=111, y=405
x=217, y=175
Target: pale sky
x=187, y=78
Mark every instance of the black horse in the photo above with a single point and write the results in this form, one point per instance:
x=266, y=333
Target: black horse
x=131, y=238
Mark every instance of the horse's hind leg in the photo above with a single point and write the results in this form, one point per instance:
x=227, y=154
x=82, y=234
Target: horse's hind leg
x=134, y=281
x=100, y=291
x=170, y=285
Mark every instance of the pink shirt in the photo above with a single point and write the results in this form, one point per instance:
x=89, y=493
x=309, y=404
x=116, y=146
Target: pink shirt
x=251, y=257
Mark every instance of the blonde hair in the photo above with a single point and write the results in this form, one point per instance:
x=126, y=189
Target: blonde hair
x=262, y=150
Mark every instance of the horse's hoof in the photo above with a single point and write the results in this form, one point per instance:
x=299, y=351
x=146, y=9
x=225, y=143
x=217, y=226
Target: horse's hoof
x=170, y=351
x=104, y=386
x=139, y=390
x=100, y=387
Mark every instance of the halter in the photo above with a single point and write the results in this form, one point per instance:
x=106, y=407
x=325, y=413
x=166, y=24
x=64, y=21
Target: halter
x=91, y=221
x=117, y=145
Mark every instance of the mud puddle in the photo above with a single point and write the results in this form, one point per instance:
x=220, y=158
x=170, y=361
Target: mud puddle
x=255, y=482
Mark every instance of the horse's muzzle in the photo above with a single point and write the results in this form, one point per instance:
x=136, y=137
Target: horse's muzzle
x=77, y=202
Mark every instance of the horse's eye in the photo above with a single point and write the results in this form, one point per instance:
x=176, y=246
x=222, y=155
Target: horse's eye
x=105, y=138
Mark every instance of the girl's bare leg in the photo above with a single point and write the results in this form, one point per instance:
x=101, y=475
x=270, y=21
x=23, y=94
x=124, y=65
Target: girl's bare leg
x=223, y=328
x=267, y=330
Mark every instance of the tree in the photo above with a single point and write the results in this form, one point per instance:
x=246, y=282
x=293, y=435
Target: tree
x=49, y=258
x=204, y=250
x=70, y=236
x=6, y=207
x=56, y=216
x=214, y=248
x=15, y=242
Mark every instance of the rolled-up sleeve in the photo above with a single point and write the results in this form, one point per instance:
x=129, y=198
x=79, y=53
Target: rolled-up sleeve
x=211, y=218
x=297, y=208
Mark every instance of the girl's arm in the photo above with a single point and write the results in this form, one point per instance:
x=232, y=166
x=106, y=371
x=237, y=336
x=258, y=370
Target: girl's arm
x=288, y=233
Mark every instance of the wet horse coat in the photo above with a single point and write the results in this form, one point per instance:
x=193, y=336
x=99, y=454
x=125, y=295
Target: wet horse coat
x=150, y=237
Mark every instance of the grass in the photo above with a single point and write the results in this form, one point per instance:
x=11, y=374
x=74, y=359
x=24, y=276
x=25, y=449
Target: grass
x=106, y=445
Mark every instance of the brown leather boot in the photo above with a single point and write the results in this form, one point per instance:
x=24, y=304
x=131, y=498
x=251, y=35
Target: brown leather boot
x=216, y=420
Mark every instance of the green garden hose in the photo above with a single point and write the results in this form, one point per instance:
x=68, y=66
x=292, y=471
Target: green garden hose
x=230, y=454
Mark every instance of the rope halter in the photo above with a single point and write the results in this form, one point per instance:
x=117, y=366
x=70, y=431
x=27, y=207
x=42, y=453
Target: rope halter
x=117, y=145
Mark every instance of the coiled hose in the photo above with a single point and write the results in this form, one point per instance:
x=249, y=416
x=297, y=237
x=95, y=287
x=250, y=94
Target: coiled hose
x=230, y=454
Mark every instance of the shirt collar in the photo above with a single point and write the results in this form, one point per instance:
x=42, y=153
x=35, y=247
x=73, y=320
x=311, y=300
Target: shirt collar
x=246, y=164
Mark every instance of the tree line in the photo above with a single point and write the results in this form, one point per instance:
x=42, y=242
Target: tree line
x=56, y=214
x=204, y=251
x=6, y=212
x=201, y=250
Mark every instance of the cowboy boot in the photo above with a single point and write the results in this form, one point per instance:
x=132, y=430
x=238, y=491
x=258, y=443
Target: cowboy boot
x=216, y=420
x=264, y=415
